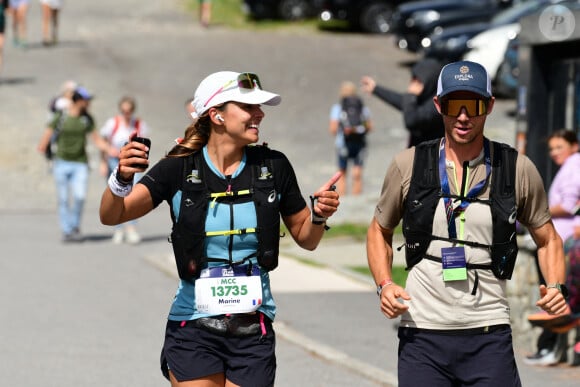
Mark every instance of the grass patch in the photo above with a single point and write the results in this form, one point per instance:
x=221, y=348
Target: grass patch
x=355, y=231
x=309, y=262
x=230, y=13
x=398, y=272
x=358, y=232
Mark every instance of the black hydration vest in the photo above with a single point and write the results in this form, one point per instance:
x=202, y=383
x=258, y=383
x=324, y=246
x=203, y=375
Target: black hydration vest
x=202, y=188
x=424, y=195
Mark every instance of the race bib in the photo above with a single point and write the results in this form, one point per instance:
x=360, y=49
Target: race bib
x=454, y=263
x=224, y=290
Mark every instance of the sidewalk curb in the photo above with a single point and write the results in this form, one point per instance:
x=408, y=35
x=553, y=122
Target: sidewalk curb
x=337, y=357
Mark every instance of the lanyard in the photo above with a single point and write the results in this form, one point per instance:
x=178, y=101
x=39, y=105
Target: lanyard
x=450, y=212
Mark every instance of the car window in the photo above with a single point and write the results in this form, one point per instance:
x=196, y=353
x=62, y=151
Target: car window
x=515, y=12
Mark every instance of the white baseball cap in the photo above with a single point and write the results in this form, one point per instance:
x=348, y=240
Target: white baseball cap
x=225, y=86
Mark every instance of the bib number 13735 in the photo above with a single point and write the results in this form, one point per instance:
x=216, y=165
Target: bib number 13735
x=223, y=290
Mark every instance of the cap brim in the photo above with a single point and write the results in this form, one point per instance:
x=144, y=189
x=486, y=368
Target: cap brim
x=475, y=90
x=254, y=97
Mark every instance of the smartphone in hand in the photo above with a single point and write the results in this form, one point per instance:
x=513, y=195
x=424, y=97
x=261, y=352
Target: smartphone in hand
x=147, y=143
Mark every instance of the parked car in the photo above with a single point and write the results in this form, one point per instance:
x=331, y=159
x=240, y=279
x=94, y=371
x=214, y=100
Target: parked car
x=281, y=9
x=506, y=78
x=489, y=47
x=414, y=21
x=496, y=49
x=449, y=44
x=372, y=16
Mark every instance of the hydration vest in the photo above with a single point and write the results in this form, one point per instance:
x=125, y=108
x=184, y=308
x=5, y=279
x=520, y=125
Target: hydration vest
x=201, y=191
x=424, y=195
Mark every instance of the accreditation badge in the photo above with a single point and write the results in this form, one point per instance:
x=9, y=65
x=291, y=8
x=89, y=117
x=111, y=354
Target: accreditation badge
x=454, y=263
x=224, y=290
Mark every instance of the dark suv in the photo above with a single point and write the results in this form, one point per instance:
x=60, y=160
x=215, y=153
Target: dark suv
x=372, y=16
x=416, y=20
x=281, y=9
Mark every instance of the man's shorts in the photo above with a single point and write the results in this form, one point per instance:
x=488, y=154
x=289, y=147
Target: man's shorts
x=447, y=359
x=192, y=352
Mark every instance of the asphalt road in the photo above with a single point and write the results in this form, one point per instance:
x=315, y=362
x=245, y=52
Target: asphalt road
x=92, y=314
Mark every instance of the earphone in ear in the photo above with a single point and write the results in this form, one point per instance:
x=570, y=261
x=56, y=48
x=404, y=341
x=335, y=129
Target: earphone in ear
x=219, y=118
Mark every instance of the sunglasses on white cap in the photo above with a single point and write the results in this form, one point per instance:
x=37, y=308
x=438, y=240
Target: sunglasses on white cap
x=247, y=81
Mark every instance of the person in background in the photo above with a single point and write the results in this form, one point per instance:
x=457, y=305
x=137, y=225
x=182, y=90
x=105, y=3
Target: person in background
x=205, y=12
x=70, y=165
x=223, y=231
x=350, y=122
x=419, y=114
x=116, y=132
x=50, y=11
x=563, y=196
x=19, y=13
x=63, y=100
x=459, y=197
x=56, y=106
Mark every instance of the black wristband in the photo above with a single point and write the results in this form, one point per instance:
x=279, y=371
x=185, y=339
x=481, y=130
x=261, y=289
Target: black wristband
x=120, y=179
x=314, y=217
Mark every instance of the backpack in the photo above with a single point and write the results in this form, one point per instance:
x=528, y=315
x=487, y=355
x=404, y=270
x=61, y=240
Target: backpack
x=351, y=117
x=50, y=150
x=135, y=123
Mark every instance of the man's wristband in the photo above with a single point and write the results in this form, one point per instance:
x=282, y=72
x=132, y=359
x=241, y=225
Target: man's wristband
x=561, y=288
x=382, y=284
x=119, y=187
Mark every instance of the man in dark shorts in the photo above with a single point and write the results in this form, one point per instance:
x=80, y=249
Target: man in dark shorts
x=459, y=198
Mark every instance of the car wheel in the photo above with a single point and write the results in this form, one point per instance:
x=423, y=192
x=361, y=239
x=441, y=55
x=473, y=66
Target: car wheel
x=294, y=9
x=376, y=18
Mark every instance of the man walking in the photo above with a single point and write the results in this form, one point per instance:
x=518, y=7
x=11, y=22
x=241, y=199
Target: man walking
x=459, y=198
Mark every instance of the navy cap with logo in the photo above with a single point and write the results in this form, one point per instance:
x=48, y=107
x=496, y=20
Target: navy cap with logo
x=464, y=76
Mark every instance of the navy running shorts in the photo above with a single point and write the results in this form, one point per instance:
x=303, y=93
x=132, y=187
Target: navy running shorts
x=191, y=352
x=443, y=359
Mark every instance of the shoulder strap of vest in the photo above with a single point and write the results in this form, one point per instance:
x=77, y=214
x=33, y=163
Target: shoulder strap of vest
x=115, y=127
x=136, y=123
x=259, y=157
x=504, y=157
x=425, y=162
x=504, y=249
x=192, y=170
x=265, y=196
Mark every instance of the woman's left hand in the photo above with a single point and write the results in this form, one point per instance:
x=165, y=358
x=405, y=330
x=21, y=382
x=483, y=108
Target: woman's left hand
x=327, y=198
